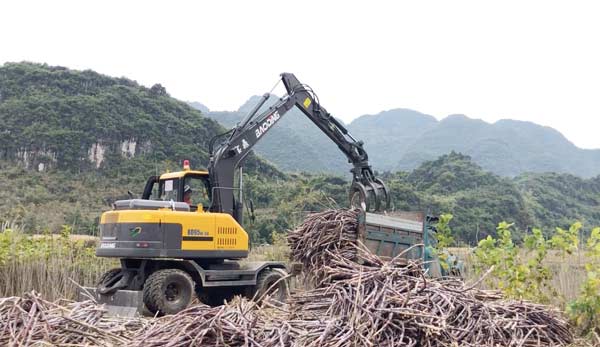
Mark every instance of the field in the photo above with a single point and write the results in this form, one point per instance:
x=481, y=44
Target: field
x=54, y=266
x=568, y=272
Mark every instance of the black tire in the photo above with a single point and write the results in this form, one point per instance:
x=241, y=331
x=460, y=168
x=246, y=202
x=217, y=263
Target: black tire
x=107, y=275
x=270, y=282
x=215, y=296
x=107, y=283
x=168, y=291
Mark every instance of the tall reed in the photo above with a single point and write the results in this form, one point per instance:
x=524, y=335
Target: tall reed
x=53, y=265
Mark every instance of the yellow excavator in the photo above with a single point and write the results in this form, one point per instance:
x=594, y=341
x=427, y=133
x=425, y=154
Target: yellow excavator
x=184, y=236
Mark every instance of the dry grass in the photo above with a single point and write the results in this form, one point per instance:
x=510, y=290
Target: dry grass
x=568, y=273
x=278, y=251
x=48, y=264
x=92, y=240
x=269, y=253
x=52, y=264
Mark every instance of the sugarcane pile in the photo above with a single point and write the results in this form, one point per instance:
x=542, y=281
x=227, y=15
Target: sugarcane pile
x=321, y=236
x=390, y=303
x=381, y=304
x=239, y=323
x=31, y=320
x=370, y=302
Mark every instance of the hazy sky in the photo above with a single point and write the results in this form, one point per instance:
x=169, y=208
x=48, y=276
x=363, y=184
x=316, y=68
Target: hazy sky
x=527, y=60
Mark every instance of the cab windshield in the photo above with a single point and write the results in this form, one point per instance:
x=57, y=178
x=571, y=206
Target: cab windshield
x=196, y=191
x=192, y=189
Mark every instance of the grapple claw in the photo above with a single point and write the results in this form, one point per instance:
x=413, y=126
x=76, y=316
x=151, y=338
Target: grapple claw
x=370, y=197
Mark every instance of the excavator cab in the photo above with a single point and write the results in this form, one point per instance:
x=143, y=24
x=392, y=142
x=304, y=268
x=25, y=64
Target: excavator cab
x=189, y=186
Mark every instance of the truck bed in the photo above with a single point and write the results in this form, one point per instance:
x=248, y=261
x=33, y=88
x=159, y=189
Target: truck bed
x=390, y=234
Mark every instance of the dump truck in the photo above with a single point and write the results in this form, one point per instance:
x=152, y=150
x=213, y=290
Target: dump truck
x=395, y=233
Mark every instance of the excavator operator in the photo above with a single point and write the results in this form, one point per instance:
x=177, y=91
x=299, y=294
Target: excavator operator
x=187, y=194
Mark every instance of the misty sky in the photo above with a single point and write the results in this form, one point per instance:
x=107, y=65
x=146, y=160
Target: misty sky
x=527, y=60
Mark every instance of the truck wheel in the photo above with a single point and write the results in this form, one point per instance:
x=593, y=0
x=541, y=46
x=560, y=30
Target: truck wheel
x=168, y=291
x=270, y=282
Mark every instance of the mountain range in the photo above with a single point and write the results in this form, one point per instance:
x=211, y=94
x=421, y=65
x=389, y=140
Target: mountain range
x=401, y=139
x=72, y=142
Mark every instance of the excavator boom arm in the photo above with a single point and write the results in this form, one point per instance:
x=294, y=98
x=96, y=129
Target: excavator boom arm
x=365, y=189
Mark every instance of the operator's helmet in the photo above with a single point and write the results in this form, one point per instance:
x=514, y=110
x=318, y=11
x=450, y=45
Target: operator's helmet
x=187, y=189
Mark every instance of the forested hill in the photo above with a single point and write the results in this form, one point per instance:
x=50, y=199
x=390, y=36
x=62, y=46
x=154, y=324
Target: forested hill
x=54, y=117
x=71, y=142
x=74, y=141
x=479, y=199
x=403, y=139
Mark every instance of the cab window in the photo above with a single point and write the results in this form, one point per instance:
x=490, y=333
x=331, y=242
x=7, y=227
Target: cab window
x=196, y=191
x=169, y=190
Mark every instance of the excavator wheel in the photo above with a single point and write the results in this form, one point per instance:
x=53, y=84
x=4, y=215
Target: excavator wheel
x=111, y=280
x=168, y=291
x=271, y=282
x=359, y=197
x=108, y=278
x=215, y=296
